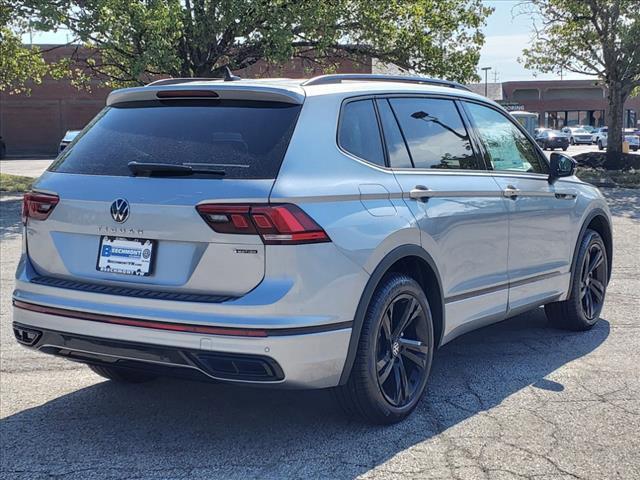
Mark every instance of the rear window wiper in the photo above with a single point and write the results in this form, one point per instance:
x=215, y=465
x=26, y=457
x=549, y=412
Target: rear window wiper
x=148, y=169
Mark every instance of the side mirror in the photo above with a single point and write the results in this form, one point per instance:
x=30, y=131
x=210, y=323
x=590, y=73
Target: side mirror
x=562, y=165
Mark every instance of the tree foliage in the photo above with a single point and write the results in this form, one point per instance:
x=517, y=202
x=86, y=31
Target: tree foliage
x=136, y=40
x=22, y=66
x=592, y=37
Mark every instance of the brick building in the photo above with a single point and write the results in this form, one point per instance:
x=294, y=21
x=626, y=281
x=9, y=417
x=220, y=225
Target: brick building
x=34, y=124
x=560, y=103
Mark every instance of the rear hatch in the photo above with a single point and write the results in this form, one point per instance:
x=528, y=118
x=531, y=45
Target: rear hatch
x=101, y=219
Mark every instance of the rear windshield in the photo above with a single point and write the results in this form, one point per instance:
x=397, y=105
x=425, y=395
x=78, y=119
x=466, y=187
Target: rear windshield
x=245, y=139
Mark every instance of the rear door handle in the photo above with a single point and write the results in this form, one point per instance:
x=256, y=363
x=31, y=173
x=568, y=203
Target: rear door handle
x=419, y=192
x=511, y=192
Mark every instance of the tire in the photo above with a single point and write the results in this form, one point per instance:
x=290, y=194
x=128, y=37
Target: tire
x=390, y=370
x=600, y=147
x=587, y=293
x=564, y=149
x=572, y=141
x=122, y=375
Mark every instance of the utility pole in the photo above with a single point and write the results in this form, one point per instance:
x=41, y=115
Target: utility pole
x=486, y=72
x=495, y=76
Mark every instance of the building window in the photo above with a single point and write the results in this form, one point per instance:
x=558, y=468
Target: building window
x=570, y=118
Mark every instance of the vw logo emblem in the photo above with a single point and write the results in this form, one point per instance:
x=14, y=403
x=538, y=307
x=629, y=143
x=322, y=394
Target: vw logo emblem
x=120, y=210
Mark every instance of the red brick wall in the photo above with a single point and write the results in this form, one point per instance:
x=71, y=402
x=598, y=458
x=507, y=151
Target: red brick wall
x=34, y=124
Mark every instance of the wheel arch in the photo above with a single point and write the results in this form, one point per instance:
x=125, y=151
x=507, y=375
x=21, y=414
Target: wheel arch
x=598, y=221
x=417, y=263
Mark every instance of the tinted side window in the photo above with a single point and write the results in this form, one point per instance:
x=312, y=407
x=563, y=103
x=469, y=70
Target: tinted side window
x=508, y=147
x=359, y=133
x=435, y=133
x=397, y=149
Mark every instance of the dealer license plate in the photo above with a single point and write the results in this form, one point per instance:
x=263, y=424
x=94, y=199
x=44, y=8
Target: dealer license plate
x=127, y=256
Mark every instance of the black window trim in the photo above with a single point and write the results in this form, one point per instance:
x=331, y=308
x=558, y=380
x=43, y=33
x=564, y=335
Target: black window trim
x=385, y=150
x=438, y=96
x=487, y=160
x=404, y=139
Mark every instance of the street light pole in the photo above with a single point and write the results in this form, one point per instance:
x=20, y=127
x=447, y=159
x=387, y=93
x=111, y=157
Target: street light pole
x=486, y=71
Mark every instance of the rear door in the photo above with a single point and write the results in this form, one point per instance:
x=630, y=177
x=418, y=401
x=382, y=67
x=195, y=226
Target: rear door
x=236, y=146
x=456, y=203
x=541, y=214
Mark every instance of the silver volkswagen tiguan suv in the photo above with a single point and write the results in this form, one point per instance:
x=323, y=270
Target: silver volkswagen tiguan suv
x=327, y=233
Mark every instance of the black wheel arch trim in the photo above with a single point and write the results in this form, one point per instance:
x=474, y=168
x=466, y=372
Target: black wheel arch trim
x=596, y=212
x=383, y=267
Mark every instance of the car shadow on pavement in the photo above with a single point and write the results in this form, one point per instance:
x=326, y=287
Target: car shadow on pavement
x=173, y=428
x=10, y=221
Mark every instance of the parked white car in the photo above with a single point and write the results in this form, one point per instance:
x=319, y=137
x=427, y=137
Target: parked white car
x=598, y=133
x=628, y=136
x=577, y=135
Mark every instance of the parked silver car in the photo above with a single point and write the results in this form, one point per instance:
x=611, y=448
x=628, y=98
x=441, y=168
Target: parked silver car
x=67, y=139
x=332, y=232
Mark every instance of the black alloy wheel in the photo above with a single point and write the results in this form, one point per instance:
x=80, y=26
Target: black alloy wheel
x=581, y=310
x=394, y=356
x=402, y=350
x=593, y=281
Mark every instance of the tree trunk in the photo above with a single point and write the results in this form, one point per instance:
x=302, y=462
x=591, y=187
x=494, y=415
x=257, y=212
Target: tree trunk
x=616, y=98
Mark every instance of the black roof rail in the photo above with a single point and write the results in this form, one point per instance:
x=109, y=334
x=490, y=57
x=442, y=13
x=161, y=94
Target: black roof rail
x=371, y=77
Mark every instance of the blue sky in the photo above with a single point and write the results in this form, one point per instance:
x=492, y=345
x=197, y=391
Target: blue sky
x=507, y=33
x=506, y=36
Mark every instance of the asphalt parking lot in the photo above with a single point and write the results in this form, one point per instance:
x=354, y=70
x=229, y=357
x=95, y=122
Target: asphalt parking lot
x=514, y=400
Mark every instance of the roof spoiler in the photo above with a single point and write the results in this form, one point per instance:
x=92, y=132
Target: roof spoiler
x=219, y=90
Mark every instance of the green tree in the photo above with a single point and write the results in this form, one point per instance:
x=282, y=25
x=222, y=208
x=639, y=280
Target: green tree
x=593, y=37
x=136, y=40
x=22, y=66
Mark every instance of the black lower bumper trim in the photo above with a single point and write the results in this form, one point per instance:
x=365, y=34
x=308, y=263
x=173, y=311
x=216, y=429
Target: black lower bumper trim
x=156, y=358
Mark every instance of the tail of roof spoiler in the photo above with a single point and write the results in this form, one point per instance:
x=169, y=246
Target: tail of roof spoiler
x=234, y=91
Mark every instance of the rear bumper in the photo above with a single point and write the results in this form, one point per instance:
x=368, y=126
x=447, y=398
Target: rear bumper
x=303, y=360
x=557, y=143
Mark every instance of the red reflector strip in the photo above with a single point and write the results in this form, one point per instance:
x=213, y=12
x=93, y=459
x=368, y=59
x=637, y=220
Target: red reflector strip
x=134, y=322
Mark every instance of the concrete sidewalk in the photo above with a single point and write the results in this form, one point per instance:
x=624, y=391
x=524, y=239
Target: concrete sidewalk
x=26, y=167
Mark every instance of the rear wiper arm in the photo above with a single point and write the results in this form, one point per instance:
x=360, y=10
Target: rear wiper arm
x=149, y=169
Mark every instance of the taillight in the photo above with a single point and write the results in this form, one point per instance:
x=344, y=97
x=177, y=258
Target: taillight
x=283, y=224
x=38, y=206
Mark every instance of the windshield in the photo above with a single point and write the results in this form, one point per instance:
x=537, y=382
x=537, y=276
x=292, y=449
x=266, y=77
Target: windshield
x=244, y=139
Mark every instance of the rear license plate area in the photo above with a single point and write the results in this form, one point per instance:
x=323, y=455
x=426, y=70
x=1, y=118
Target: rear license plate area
x=126, y=256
